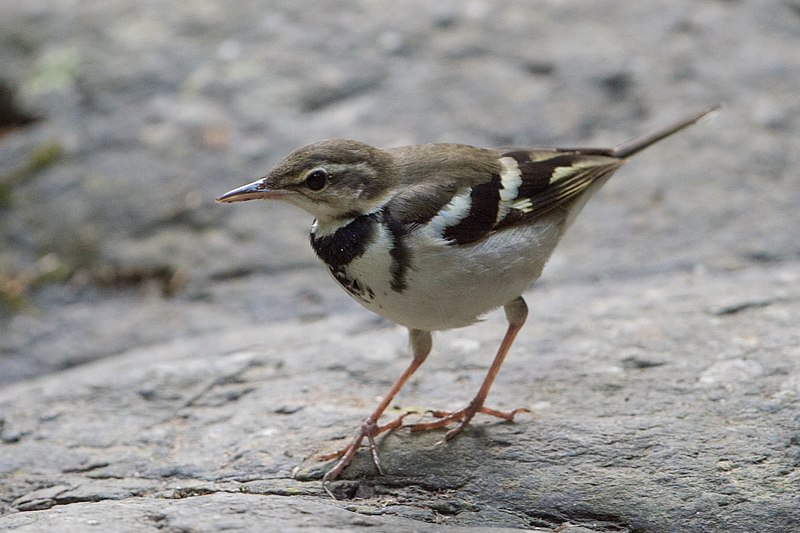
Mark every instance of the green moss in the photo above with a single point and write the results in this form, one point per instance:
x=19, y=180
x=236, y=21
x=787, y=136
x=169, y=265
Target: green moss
x=12, y=299
x=5, y=195
x=40, y=158
x=15, y=286
x=43, y=156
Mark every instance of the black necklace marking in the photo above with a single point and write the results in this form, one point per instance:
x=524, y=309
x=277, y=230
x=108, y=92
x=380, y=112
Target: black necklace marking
x=350, y=242
x=342, y=247
x=351, y=284
x=400, y=252
x=346, y=243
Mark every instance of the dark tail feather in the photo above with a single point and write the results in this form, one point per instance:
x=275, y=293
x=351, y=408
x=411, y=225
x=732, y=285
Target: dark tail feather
x=629, y=148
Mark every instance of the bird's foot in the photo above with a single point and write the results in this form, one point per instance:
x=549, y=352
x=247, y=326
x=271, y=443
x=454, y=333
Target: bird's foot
x=369, y=430
x=463, y=416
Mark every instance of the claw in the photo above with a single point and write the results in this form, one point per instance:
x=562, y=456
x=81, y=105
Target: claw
x=373, y=449
x=465, y=415
x=369, y=430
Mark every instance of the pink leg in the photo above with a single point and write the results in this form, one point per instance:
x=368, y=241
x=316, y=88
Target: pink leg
x=516, y=313
x=421, y=346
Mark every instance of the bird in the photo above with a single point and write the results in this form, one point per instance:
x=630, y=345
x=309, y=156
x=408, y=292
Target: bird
x=434, y=236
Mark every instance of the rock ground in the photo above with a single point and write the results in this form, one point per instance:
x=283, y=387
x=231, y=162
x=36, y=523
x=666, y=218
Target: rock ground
x=171, y=364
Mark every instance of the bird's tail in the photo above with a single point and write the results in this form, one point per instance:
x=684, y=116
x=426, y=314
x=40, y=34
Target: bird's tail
x=638, y=144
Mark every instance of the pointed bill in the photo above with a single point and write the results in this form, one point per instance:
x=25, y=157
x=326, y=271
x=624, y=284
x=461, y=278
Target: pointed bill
x=257, y=190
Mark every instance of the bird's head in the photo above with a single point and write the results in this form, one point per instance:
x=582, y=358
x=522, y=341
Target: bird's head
x=332, y=179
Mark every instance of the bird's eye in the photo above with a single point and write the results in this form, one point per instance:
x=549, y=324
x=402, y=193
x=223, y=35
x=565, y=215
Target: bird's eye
x=317, y=179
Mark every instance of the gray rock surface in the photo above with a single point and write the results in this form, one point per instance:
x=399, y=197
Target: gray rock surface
x=170, y=364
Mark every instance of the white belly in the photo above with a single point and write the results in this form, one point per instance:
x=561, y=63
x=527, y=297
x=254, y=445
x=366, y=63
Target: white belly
x=453, y=286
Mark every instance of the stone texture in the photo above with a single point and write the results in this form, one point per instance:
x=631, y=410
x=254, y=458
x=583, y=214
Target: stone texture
x=661, y=403
x=171, y=364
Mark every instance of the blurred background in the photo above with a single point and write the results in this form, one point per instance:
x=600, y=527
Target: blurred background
x=121, y=121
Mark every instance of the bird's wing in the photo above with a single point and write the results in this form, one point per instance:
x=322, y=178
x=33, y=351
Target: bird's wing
x=536, y=182
x=419, y=202
x=463, y=199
